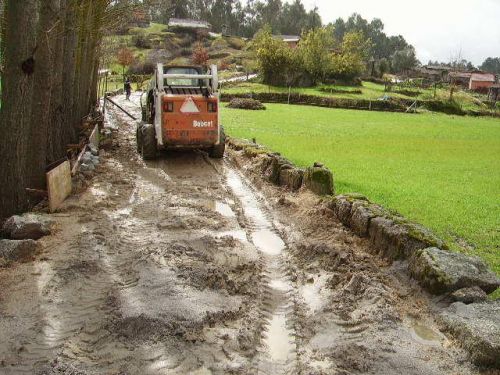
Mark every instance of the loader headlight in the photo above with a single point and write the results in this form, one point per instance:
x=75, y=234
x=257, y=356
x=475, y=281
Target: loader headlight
x=212, y=107
x=168, y=107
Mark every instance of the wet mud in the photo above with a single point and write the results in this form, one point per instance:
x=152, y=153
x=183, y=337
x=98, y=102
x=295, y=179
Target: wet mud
x=187, y=265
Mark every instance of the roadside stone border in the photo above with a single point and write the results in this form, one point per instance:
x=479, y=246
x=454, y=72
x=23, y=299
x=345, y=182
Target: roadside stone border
x=473, y=320
x=392, y=236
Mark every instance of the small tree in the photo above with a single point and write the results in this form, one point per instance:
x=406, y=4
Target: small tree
x=125, y=58
x=314, y=50
x=274, y=57
x=350, y=62
x=200, y=54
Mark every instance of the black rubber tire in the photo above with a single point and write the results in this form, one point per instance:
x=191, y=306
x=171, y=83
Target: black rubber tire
x=148, y=142
x=217, y=152
x=138, y=138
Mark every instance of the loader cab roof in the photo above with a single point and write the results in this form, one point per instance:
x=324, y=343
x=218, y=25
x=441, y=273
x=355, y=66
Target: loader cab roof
x=182, y=82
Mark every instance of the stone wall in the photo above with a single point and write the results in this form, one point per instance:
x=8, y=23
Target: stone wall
x=391, y=235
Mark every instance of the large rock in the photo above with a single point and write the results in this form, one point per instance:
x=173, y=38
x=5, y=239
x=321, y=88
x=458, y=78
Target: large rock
x=291, y=177
x=319, y=180
x=386, y=236
x=477, y=329
x=274, y=167
x=28, y=226
x=441, y=271
x=361, y=214
x=12, y=250
x=469, y=295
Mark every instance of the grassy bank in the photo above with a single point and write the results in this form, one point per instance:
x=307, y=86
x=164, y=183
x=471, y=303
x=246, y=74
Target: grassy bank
x=442, y=171
x=368, y=90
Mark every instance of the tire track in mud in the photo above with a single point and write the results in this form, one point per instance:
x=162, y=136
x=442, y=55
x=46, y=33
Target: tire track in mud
x=277, y=353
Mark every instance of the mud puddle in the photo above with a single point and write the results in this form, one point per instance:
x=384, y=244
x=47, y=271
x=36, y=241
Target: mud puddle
x=278, y=349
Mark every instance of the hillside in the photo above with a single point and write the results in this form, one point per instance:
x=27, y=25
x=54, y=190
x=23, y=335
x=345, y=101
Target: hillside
x=157, y=43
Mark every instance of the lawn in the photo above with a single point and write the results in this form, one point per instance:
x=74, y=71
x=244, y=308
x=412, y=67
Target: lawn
x=442, y=171
x=369, y=90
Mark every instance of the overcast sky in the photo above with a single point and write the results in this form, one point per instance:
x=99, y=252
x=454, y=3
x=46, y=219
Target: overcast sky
x=438, y=29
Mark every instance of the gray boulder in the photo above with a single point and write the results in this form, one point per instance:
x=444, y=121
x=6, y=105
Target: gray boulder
x=27, y=226
x=360, y=218
x=469, y=295
x=477, y=329
x=12, y=250
x=441, y=271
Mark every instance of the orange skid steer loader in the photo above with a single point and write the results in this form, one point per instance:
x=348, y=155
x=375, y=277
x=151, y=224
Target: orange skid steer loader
x=181, y=110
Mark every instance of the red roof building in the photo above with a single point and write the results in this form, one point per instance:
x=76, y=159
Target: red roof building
x=481, y=80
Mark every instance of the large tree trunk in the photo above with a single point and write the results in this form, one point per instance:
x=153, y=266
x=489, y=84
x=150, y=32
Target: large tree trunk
x=41, y=120
x=70, y=134
x=58, y=147
x=17, y=98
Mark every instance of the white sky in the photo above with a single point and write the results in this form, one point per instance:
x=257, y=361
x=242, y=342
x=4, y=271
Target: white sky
x=438, y=29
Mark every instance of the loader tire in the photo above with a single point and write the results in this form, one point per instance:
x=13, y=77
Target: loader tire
x=148, y=142
x=217, y=151
x=138, y=138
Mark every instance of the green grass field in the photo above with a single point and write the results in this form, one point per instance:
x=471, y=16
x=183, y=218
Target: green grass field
x=442, y=171
x=369, y=90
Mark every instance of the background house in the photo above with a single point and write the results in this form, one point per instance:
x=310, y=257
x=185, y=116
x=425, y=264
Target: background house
x=460, y=78
x=291, y=40
x=481, y=81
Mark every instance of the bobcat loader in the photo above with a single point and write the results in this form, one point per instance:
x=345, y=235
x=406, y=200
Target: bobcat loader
x=181, y=110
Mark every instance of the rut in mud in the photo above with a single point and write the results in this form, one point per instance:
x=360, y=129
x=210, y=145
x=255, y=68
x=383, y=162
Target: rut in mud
x=186, y=265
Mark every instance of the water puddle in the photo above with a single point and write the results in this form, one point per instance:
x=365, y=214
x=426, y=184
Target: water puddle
x=314, y=293
x=424, y=333
x=222, y=208
x=278, y=347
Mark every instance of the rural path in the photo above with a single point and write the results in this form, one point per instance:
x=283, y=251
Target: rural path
x=187, y=265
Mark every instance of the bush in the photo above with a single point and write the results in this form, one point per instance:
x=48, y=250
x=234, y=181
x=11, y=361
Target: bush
x=141, y=41
x=236, y=43
x=251, y=104
x=145, y=68
x=445, y=106
x=219, y=43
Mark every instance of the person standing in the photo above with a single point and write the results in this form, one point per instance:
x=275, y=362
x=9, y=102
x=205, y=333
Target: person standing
x=128, y=88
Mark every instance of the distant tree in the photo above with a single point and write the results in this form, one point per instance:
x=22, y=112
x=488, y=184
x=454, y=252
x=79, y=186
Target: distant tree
x=125, y=58
x=491, y=65
x=350, y=62
x=315, y=51
x=383, y=46
x=384, y=66
x=200, y=54
x=274, y=57
x=404, y=60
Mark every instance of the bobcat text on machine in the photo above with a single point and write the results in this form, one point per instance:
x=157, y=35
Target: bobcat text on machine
x=181, y=110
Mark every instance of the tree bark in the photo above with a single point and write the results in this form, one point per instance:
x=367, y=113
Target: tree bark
x=43, y=81
x=17, y=98
x=69, y=70
x=58, y=149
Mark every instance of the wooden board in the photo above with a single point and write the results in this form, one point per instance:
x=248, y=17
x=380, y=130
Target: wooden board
x=59, y=185
x=94, y=137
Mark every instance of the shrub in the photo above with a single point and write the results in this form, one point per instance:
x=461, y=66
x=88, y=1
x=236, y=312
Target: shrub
x=141, y=41
x=236, y=43
x=145, y=68
x=251, y=104
x=219, y=43
x=200, y=54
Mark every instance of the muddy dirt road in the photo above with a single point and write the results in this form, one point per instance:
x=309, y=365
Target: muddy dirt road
x=187, y=265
